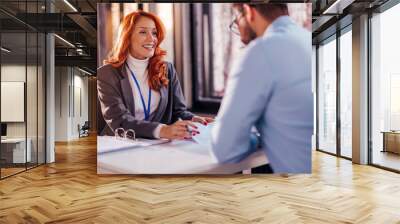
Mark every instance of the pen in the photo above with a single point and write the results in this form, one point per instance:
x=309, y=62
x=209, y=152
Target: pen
x=188, y=128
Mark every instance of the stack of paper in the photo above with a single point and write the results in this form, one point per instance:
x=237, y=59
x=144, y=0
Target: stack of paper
x=204, y=137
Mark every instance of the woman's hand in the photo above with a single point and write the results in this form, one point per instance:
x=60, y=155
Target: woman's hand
x=202, y=120
x=179, y=130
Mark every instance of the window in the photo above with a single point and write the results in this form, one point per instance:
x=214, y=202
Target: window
x=334, y=106
x=385, y=88
x=346, y=93
x=327, y=96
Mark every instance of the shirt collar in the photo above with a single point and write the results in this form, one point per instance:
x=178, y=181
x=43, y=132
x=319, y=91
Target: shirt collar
x=281, y=21
x=137, y=63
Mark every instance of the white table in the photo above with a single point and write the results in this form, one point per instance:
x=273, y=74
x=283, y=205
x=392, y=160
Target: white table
x=175, y=157
x=19, y=153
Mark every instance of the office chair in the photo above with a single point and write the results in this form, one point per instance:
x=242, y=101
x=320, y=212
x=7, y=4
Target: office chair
x=84, y=130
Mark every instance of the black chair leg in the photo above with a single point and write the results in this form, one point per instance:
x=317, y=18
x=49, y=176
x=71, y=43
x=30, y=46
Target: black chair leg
x=262, y=169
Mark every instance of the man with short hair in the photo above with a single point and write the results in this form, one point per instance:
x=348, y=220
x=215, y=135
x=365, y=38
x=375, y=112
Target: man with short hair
x=270, y=88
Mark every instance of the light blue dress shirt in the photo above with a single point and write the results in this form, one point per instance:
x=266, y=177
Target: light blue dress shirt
x=270, y=88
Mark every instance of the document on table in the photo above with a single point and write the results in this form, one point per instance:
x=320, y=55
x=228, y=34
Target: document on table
x=108, y=144
x=204, y=138
x=111, y=144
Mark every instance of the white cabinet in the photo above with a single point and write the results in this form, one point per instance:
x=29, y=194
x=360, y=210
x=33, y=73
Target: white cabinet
x=17, y=147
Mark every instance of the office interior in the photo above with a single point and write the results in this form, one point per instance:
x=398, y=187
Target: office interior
x=50, y=52
x=357, y=83
x=38, y=107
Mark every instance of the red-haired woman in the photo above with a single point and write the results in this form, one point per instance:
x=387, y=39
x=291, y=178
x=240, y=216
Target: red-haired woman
x=138, y=90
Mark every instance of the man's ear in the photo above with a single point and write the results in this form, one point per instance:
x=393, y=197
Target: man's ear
x=248, y=12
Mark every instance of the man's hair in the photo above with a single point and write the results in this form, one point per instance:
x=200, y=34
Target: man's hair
x=265, y=9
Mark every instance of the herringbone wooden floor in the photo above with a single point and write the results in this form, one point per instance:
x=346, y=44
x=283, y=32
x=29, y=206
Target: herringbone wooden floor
x=70, y=191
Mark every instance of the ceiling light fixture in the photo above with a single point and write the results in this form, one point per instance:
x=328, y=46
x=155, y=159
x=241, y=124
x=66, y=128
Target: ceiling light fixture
x=70, y=5
x=329, y=9
x=337, y=7
x=84, y=71
x=64, y=40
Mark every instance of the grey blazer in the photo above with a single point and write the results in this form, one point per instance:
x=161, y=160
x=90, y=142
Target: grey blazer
x=116, y=106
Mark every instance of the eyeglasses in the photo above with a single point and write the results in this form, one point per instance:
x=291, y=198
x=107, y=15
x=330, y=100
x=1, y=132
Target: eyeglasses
x=234, y=26
x=129, y=134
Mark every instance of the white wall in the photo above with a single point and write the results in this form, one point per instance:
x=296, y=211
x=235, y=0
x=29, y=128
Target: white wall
x=12, y=73
x=61, y=103
x=79, y=117
x=70, y=84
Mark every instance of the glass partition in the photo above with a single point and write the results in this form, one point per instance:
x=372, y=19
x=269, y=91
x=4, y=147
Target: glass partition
x=22, y=78
x=13, y=94
x=31, y=97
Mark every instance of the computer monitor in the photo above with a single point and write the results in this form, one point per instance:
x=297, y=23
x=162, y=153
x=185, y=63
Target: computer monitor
x=3, y=129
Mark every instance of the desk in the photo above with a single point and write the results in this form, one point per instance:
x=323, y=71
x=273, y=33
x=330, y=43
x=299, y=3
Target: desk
x=391, y=141
x=176, y=157
x=16, y=148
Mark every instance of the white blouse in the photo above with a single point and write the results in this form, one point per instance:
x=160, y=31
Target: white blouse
x=139, y=68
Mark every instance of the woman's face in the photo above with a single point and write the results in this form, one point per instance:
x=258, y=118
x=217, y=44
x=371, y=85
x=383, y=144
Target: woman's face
x=144, y=38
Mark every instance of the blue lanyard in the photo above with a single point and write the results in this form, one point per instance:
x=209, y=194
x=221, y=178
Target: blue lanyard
x=146, y=110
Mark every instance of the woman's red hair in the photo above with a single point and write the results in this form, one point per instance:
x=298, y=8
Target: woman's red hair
x=157, y=69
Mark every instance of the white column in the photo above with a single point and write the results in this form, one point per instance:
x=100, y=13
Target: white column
x=360, y=90
x=50, y=99
x=50, y=92
x=314, y=91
